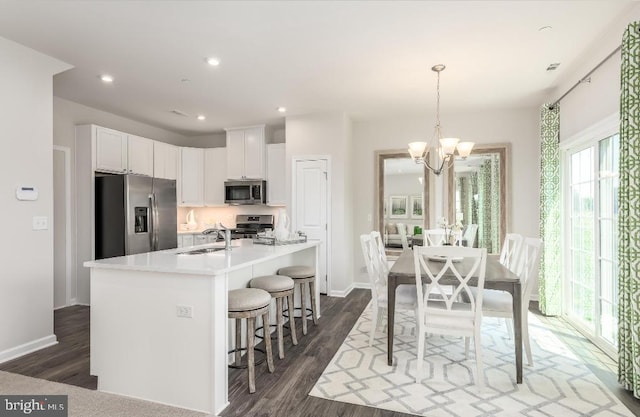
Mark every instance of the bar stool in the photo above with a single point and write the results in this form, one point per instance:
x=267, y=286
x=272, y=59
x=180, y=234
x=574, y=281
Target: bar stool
x=302, y=275
x=279, y=287
x=249, y=303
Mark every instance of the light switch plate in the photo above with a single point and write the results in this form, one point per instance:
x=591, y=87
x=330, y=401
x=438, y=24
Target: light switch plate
x=40, y=223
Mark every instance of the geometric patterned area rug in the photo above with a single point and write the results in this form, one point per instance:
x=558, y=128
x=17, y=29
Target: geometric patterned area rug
x=558, y=383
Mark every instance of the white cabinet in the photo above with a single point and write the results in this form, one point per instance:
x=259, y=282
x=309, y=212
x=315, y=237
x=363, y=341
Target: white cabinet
x=187, y=240
x=191, y=178
x=215, y=171
x=276, y=175
x=111, y=150
x=140, y=155
x=246, y=153
x=199, y=239
x=165, y=161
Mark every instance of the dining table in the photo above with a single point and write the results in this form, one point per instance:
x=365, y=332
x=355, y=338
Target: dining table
x=497, y=277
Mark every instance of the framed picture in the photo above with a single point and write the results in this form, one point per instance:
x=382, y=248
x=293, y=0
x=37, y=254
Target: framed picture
x=416, y=206
x=399, y=207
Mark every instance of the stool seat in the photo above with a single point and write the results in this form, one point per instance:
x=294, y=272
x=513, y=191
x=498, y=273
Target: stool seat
x=272, y=283
x=297, y=271
x=245, y=299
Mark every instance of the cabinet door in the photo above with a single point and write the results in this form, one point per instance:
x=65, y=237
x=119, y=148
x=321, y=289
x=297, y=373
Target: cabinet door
x=165, y=161
x=111, y=150
x=276, y=170
x=215, y=171
x=235, y=154
x=140, y=158
x=187, y=240
x=254, y=153
x=191, y=177
x=199, y=239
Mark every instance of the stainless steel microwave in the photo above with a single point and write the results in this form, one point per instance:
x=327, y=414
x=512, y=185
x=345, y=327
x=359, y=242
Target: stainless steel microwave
x=245, y=192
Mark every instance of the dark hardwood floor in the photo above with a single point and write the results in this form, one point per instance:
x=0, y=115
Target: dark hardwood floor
x=283, y=393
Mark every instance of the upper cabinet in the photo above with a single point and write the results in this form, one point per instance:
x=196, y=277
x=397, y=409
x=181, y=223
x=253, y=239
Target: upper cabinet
x=191, y=178
x=215, y=171
x=165, y=161
x=276, y=170
x=246, y=153
x=140, y=155
x=111, y=150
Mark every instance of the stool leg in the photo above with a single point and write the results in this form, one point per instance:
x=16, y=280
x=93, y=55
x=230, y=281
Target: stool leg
x=314, y=313
x=251, y=328
x=238, y=354
x=267, y=342
x=280, y=321
x=292, y=322
x=303, y=305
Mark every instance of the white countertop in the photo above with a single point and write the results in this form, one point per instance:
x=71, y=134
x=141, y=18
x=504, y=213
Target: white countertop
x=243, y=254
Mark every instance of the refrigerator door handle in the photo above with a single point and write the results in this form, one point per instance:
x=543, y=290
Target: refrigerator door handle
x=153, y=236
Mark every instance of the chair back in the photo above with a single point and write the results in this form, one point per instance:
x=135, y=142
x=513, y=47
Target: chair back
x=457, y=265
x=379, y=245
x=402, y=230
x=470, y=234
x=528, y=268
x=438, y=237
x=374, y=269
x=511, y=250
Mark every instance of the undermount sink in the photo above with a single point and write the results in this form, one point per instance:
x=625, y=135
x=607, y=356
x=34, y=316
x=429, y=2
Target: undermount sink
x=200, y=251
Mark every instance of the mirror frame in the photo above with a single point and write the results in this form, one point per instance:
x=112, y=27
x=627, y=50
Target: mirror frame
x=380, y=157
x=503, y=150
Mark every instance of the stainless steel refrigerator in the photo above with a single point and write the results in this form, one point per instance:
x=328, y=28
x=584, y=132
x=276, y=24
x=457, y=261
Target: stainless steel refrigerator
x=134, y=214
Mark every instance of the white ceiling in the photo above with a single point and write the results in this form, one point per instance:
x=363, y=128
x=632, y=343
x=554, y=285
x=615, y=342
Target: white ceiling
x=368, y=59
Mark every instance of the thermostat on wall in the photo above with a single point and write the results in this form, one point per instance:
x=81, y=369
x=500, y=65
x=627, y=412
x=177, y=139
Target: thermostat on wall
x=27, y=193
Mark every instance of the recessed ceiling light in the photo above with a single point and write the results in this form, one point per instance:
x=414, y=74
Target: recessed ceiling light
x=282, y=109
x=201, y=117
x=214, y=62
x=185, y=80
x=545, y=29
x=553, y=67
x=106, y=78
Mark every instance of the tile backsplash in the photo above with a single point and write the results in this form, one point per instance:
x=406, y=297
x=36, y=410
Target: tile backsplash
x=206, y=216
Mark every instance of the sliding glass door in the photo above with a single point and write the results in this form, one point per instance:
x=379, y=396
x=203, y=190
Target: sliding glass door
x=591, y=237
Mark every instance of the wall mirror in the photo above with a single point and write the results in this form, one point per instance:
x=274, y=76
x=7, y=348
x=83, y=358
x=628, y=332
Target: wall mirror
x=478, y=194
x=402, y=196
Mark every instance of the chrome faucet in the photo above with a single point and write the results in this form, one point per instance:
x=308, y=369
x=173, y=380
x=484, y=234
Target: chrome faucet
x=221, y=228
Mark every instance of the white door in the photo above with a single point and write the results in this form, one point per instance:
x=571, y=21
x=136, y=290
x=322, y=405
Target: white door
x=310, y=209
x=60, y=228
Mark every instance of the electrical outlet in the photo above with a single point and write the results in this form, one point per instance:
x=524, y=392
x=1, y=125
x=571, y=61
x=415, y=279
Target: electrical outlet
x=40, y=223
x=184, y=311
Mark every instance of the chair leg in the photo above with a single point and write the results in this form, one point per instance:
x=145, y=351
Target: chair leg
x=525, y=337
x=267, y=343
x=420, y=356
x=374, y=321
x=292, y=321
x=238, y=354
x=251, y=327
x=479, y=370
x=280, y=323
x=314, y=307
x=507, y=321
x=303, y=306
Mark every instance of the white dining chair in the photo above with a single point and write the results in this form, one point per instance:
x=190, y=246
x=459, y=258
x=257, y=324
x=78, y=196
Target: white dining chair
x=444, y=314
x=470, y=234
x=498, y=303
x=405, y=294
x=402, y=230
x=379, y=245
x=511, y=250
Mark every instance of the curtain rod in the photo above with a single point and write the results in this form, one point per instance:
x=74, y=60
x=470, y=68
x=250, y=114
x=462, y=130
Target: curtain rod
x=583, y=79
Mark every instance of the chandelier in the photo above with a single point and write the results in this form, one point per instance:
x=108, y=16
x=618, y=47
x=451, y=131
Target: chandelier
x=444, y=147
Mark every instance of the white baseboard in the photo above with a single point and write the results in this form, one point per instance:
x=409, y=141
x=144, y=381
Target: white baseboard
x=363, y=285
x=16, y=352
x=341, y=294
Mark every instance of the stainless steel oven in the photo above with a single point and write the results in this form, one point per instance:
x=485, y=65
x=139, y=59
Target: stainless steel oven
x=245, y=192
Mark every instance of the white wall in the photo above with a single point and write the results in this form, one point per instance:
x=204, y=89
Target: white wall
x=329, y=134
x=26, y=287
x=518, y=127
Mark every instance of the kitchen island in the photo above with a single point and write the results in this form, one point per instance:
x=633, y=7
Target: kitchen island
x=159, y=327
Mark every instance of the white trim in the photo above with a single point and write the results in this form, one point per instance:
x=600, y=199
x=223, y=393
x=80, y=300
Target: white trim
x=327, y=158
x=68, y=248
x=25, y=348
x=606, y=127
x=342, y=294
x=362, y=285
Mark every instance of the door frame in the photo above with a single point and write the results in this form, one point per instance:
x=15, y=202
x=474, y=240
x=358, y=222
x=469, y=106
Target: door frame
x=66, y=151
x=327, y=158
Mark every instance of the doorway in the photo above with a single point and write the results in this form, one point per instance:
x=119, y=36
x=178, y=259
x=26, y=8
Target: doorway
x=61, y=227
x=310, y=209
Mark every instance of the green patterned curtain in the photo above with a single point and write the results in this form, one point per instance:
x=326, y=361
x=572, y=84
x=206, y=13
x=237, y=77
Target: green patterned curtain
x=484, y=207
x=495, y=204
x=473, y=185
x=550, y=262
x=629, y=224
